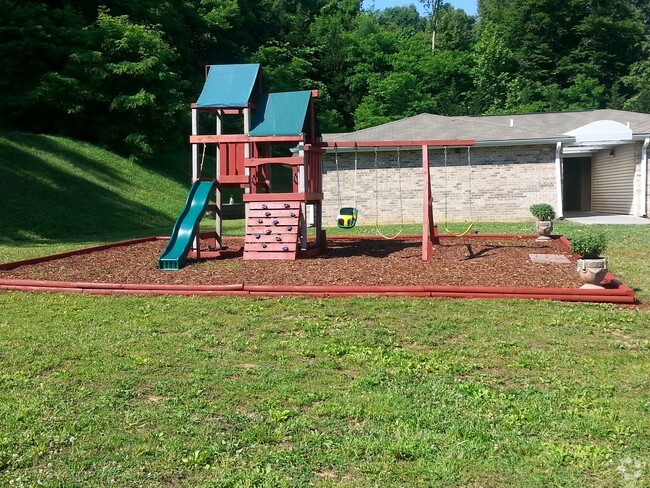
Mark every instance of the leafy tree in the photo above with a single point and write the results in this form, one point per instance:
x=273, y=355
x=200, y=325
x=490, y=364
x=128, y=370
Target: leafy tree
x=434, y=7
x=565, y=43
x=638, y=81
x=285, y=68
x=406, y=19
x=585, y=93
x=494, y=68
x=369, y=56
x=332, y=35
x=390, y=98
x=34, y=41
x=530, y=96
x=455, y=30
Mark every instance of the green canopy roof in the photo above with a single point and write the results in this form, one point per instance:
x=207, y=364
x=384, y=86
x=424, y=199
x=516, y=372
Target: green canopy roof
x=281, y=114
x=228, y=85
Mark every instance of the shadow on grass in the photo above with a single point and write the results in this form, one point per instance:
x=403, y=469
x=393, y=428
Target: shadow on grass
x=44, y=197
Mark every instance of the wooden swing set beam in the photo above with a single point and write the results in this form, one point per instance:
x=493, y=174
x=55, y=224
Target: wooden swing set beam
x=429, y=229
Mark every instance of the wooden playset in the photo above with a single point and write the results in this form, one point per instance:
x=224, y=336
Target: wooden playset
x=275, y=129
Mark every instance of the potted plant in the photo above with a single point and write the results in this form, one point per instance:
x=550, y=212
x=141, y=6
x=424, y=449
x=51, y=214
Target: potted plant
x=592, y=267
x=544, y=213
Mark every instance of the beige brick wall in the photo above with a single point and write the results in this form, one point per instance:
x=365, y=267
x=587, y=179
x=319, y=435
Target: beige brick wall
x=501, y=185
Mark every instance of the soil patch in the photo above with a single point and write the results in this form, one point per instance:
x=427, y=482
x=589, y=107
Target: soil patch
x=467, y=261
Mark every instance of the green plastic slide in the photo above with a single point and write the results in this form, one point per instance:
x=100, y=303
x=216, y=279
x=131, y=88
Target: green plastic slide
x=174, y=256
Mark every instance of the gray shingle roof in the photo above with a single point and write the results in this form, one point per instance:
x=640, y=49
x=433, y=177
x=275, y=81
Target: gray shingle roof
x=492, y=128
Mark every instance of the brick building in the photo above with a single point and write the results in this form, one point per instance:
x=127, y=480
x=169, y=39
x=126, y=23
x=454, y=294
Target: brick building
x=591, y=161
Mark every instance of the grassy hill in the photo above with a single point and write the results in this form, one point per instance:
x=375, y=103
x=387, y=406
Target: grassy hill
x=55, y=191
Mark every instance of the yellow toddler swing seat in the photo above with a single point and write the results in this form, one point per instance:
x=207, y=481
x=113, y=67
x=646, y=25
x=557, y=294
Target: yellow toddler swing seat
x=347, y=217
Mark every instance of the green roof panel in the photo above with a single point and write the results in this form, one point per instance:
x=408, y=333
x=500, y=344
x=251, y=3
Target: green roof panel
x=281, y=114
x=228, y=85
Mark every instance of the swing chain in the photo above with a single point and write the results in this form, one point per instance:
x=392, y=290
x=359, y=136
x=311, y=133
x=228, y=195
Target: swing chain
x=469, y=179
x=399, y=179
x=338, y=180
x=376, y=191
x=356, y=160
x=347, y=216
x=446, y=187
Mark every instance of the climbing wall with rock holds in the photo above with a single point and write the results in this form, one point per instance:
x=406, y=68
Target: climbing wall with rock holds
x=272, y=230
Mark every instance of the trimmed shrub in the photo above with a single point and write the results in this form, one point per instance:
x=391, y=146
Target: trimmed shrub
x=542, y=211
x=589, y=245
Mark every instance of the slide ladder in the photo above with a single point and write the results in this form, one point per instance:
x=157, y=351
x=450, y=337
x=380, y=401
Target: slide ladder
x=187, y=225
x=272, y=230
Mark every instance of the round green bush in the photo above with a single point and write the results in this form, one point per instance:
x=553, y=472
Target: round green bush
x=589, y=245
x=542, y=211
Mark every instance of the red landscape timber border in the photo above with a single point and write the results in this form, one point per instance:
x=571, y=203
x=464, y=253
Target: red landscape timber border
x=620, y=294
x=614, y=291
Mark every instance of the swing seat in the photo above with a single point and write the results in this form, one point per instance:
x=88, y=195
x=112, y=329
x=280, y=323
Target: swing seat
x=347, y=217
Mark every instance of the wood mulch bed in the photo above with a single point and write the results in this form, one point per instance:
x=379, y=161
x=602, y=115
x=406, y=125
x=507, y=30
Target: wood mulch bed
x=468, y=261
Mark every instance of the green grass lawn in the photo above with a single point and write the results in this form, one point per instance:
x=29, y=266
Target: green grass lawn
x=168, y=391
x=293, y=392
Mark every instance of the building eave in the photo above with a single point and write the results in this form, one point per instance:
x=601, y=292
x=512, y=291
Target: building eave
x=552, y=141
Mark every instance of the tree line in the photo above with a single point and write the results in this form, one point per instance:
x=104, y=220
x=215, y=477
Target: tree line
x=121, y=73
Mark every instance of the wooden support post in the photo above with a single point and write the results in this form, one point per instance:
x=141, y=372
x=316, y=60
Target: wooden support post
x=195, y=169
x=218, y=218
x=247, y=154
x=312, y=117
x=429, y=230
x=302, y=188
x=195, y=147
x=318, y=221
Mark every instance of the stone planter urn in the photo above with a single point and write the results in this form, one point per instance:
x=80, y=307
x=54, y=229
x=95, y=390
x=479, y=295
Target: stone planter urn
x=591, y=266
x=591, y=271
x=544, y=213
x=544, y=229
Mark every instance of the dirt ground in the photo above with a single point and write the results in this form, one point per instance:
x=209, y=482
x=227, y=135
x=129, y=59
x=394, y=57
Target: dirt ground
x=467, y=261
